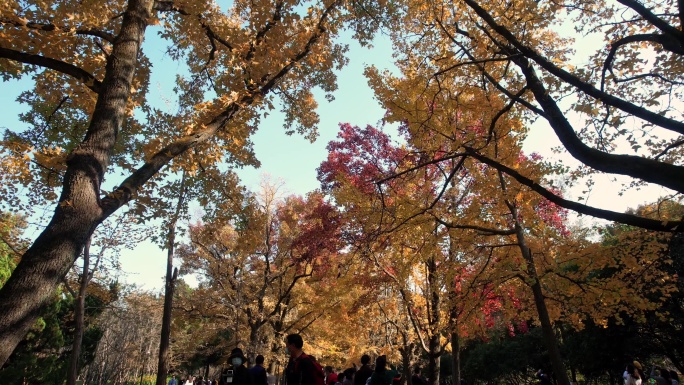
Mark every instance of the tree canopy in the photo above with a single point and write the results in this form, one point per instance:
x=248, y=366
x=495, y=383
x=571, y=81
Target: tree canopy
x=433, y=230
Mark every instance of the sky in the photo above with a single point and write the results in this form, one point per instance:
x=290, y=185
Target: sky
x=293, y=159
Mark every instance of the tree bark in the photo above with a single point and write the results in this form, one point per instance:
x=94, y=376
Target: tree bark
x=165, y=340
x=455, y=358
x=434, y=348
x=79, y=211
x=548, y=335
x=74, y=363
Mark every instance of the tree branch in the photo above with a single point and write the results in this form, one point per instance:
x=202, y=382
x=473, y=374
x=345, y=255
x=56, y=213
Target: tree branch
x=573, y=80
x=628, y=219
x=664, y=174
x=480, y=229
x=653, y=19
x=47, y=27
x=652, y=37
x=57, y=65
x=127, y=190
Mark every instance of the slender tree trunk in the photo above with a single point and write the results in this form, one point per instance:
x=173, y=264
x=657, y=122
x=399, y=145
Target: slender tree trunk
x=548, y=335
x=434, y=348
x=433, y=362
x=456, y=358
x=72, y=374
x=406, y=352
x=165, y=340
x=78, y=213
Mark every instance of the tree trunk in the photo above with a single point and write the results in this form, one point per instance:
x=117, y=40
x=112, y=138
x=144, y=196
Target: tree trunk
x=165, y=340
x=540, y=303
x=406, y=352
x=74, y=366
x=455, y=358
x=433, y=363
x=548, y=336
x=406, y=365
x=434, y=348
x=78, y=213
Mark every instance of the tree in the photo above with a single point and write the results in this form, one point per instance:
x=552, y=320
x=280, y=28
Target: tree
x=169, y=286
x=11, y=244
x=517, y=52
x=263, y=269
x=522, y=254
x=655, y=329
x=110, y=238
x=130, y=331
x=89, y=53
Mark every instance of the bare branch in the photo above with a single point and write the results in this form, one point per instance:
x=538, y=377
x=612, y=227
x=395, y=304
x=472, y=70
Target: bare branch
x=480, y=229
x=653, y=19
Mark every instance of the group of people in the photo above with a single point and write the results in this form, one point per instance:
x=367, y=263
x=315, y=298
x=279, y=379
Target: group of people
x=236, y=374
x=190, y=380
x=303, y=369
x=635, y=375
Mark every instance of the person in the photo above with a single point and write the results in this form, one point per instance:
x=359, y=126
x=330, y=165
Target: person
x=543, y=378
x=637, y=366
x=173, y=381
x=381, y=375
x=258, y=372
x=633, y=375
x=364, y=371
x=657, y=375
x=675, y=377
x=349, y=376
x=416, y=378
x=330, y=375
x=301, y=368
x=236, y=373
x=340, y=379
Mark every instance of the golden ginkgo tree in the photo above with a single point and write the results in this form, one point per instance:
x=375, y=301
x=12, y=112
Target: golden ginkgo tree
x=89, y=101
x=604, y=78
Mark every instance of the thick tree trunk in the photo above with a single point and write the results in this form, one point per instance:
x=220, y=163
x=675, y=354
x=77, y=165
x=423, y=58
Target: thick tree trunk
x=74, y=363
x=433, y=362
x=78, y=213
